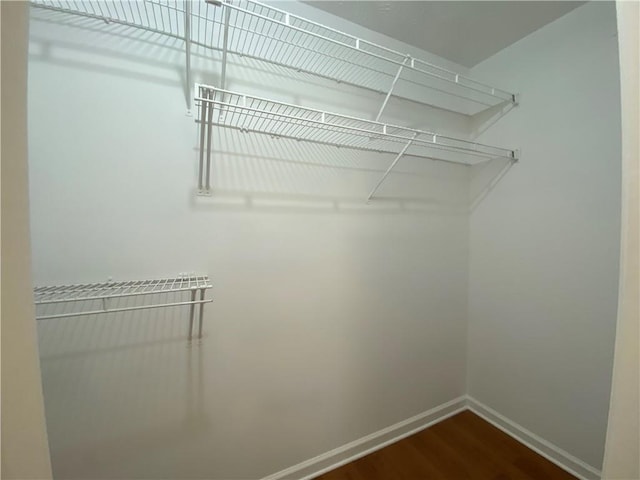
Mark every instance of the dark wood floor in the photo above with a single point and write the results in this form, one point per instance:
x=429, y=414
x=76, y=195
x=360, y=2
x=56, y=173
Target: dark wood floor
x=461, y=447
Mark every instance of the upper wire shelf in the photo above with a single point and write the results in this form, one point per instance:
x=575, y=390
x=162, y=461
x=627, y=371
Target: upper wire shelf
x=266, y=33
x=166, y=18
x=258, y=31
x=62, y=301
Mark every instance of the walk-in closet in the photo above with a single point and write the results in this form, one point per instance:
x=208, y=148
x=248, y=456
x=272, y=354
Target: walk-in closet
x=269, y=239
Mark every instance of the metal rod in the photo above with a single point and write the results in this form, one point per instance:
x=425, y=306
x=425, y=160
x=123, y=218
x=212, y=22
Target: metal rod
x=225, y=41
x=201, y=313
x=209, y=134
x=204, y=107
x=124, y=309
x=187, y=47
x=393, y=84
x=390, y=168
x=192, y=312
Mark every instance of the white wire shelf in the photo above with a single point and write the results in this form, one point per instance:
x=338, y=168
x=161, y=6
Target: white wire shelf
x=254, y=30
x=166, y=17
x=248, y=113
x=63, y=301
x=263, y=32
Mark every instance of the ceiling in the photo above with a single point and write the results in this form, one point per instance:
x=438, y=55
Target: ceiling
x=465, y=32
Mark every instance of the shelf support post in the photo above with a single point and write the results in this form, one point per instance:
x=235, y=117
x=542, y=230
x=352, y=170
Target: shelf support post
x=209, y=133
x=204, y=107
x=187, y=48
x=200, y=319
x=225, y=42
x=393, y=164
x=192, y=311
x=206, y=125
x=393, y=84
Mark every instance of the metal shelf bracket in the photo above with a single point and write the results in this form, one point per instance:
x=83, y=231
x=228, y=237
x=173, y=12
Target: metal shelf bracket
x=393, y=164
x=393, y=84
x=187, y=48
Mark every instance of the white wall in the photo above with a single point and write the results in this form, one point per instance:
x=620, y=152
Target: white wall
x=25, y=453
x=544, y=244
x=622, y=449
x=332, y=319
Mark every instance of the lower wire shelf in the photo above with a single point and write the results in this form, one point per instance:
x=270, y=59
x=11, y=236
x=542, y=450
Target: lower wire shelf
x=63, y=301
x=250, y=114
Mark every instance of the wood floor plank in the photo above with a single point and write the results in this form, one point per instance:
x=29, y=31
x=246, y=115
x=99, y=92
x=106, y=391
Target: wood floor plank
x=441, y=454
x=462, y=447
x=479, y=460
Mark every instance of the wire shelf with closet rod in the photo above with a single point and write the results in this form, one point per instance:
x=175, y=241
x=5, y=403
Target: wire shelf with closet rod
x=64, y=301
x=251, y=114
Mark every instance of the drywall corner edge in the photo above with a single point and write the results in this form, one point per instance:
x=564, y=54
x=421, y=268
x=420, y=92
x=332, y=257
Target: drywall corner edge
x=370, y=443
x=551, y=452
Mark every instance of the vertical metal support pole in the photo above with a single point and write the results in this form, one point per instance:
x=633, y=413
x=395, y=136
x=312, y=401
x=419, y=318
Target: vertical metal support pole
x=225, y=41
x=204, y=107
x=187, y=48
x=209, y=126
x=393, y=164
x=393, y=84
x=201, y=312
x=192, y=312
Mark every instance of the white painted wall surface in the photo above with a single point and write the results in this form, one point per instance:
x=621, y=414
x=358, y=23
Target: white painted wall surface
x=544, y=244
x=622, y=449
x=25, y=453
x=332, y=319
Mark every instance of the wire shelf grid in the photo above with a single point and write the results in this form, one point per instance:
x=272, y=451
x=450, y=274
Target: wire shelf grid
x=64, y=301
x=260, y=31
x=166, y=18
x=98, y=291
x=254, y=30
x=254, y=114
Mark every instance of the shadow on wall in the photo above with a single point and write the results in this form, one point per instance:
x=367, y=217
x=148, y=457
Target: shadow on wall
x=304, y=177
x=308, y=177
x=485, y=177
x=251, y=171
x=119, y=382
x=114, y=49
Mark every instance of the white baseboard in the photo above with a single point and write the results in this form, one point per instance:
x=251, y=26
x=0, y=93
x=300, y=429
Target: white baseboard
x=551, y=452
x=359, y=448
x=364, y=446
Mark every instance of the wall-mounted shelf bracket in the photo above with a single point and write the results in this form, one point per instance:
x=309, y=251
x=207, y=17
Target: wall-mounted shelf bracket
x=187, y=48
x=206, y=125
x=225, y=48
x=393, y=164
x=393, y=84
